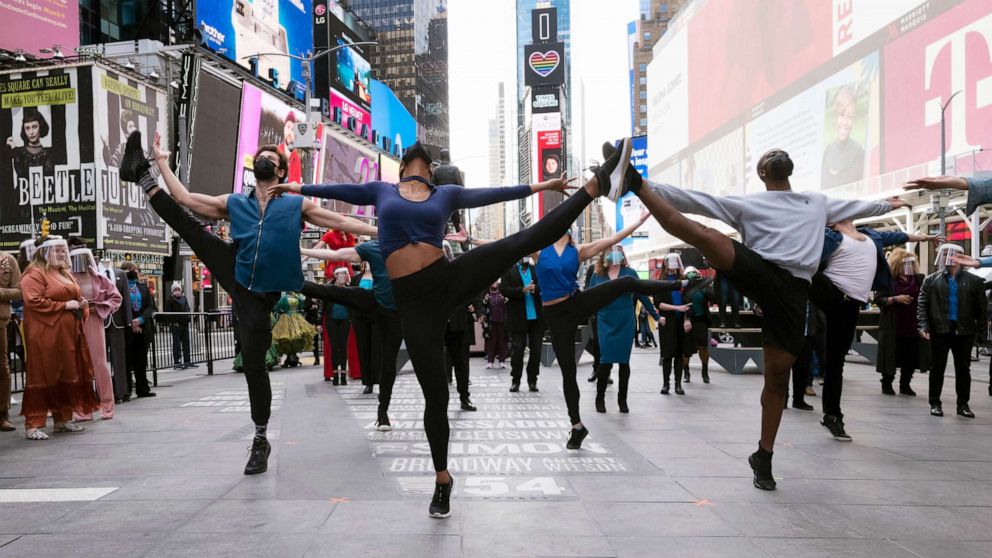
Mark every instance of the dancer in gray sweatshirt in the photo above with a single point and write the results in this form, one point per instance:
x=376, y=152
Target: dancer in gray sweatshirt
x=782, y=242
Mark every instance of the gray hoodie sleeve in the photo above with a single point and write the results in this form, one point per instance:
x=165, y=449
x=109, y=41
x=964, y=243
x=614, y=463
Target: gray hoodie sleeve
x=726, y=209
x=840, y=210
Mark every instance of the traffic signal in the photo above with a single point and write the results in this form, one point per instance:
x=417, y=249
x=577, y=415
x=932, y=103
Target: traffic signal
x=45, y=227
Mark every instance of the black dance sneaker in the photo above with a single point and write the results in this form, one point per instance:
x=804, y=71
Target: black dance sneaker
x=936, y=409
x=467, y=405
x=836, y=428
x=134, y=163
x=532, y=386
x=576, y=437
x=514, y=387
x=382, y=423
x=965, y=411
x=761, y=464
x=611, y=174
x=258, y=456
x=631, y=181
x=441, y=502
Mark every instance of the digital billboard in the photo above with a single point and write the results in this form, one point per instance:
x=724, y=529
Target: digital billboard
x=265, y=120
x=391, y=120
x=344, y=161
x=214, y=130
x=344, y=77
x=544, y=64
x=629, y=208
x=31, y=25
x=240, y=29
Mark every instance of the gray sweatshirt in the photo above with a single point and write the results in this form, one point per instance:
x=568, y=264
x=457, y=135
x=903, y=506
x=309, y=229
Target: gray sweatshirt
x=785, y=228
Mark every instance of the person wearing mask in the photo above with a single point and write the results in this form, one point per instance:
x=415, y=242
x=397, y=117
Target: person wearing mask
x=616, y=326
x=114, y=330
x=103, y=299
x=142, y=330
x=673, y=325
x=698, y=337
x=968, y=261
x=494, y=330
x=59, y=372
x=179, y=322
x=262, y=261
x=899, y=343
x=339, y=326
x=782, y=232
x=10, y=291
x=852, y=266
x=525, y=321
x=645, y=333
x=952, y=311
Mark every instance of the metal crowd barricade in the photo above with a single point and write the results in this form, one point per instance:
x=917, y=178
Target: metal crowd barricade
x=210, y=335
x=15, y=354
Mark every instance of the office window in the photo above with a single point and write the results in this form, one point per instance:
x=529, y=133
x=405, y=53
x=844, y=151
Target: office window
x=644, y=94
x=644, y=108
x=644, y=80
x=643, y=68
x=647, y=35
x=644, y=123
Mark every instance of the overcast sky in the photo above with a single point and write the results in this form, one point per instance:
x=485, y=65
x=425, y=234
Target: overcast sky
x=482, y=52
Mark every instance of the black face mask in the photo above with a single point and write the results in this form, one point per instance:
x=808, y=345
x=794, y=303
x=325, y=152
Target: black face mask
x=132, y=275
x=264, y=169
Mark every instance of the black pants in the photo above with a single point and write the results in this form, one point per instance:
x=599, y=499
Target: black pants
x=426, y=298
x=726, y=293
x=565, y=317
x=603, y=379
x=532, y=340
x=338, y=333
x=180, y=343
x=802, y=369
x=842, y=321
x=960, y=347
x=457, y=360
x=137, y=363
x=253, y=309
x=907, y=360
x=593, y=346
x=667, y=365
x=369, y=347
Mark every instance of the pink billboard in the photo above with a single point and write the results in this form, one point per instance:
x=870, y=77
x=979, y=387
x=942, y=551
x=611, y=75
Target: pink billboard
x=31, y=25
x=352, y=110
x=923, y=69
x=265, y=120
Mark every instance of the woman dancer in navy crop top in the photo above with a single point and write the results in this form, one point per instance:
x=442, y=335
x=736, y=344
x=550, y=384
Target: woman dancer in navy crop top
x=427, y=287
x=565, y=307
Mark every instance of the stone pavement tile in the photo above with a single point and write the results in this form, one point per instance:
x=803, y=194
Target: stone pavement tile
x=921, y=523
x=946, y=549
x=910, y=470
x=28, y=517
x=831, y=548
x=240, y=545
x=62, y=545
x=658, y=520
x=254, y=487
x=798, y=491
x=952, y=493
x=668, y=445
x=791, y=520
x=703, y=467
x=121, y=516
x=368, y=544
x=685, y=547
x=175, y=487
x=263, y=516
x=74, y=482
x=7, y=539
x=517, y=519
x=394, y=518
x=483, y=545
x=628, y=489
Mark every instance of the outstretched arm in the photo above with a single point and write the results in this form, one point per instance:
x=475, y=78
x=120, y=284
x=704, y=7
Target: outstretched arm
x=480, y=197
x=324, y=218
x=355, y=194
x=841, y=210
x=211, y=207
x=590, y=249
x=342, y=255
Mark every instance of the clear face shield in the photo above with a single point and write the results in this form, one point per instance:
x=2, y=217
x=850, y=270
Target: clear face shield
x=55, y=251
x=28, y=249
x=692, y=273
x=614, y=256
x=909, y=267
x=945, y=255
x=673, y=264
x=81, y=260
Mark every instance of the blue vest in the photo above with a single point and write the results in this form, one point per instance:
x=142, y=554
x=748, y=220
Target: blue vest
x=268, y=258
x=558, y=275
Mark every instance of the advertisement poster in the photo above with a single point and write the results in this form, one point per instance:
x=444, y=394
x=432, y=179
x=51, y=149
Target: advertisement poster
x=265, y=120
x=123, y=106
x=342, y=161
x=31, y=25
x=245, y=28
x=668, y=97
x=629, y=208
x=48, y=163
x=544, y=64
x=391, y=120
x=549, y=154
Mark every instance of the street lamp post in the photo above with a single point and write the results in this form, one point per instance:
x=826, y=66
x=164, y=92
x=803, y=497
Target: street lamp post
x=941, y=201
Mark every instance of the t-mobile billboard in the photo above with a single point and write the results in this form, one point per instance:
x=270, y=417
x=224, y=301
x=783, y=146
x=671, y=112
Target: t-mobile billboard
x=31, y=25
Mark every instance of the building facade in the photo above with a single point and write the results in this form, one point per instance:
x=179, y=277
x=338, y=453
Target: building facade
x=642, y=36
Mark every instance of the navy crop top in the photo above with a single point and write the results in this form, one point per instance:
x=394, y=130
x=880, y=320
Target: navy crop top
x=402, y=221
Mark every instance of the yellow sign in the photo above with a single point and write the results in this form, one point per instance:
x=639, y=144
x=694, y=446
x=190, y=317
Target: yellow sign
x=38, y=98
x=119, y=88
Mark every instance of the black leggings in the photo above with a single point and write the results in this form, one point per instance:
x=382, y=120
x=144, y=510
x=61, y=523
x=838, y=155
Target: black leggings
x=253, y=310
x=565, y=317
x=426, y=298
x=385, y=328
x=339, y=343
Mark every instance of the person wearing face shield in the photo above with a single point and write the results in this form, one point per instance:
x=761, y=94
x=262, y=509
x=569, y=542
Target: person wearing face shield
x=261, y=262
x=984, y=261
x=103, y=300
x=10, y=291
x=951, y=313
x=59, y=371
x=899, y=343
x=616, y=325
x=698, y=336
x=674, y=325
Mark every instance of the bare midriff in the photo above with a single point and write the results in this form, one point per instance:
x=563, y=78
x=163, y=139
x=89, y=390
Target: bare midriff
x=412, y=258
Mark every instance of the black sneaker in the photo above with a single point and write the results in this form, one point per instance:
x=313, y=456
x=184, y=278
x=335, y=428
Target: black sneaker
x=441, y=502
x=134, y=164
x=629, y=181
x=965, y=411
x=514, y=387
x=367, y=390
x=937, y=410
x=612, y=174
x=575, y=438
x=467, y=405
x=761, y=464
x=532, y=386
x=802, y=405
x=382, y=423
x=258, y=456
x=836, y=428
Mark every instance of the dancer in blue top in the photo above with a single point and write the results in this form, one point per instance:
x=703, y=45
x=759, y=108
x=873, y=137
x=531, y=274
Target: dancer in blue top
x=616, y=325
x=428, y=288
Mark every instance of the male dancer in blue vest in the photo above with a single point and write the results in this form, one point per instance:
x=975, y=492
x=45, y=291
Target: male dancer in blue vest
x=262, y=261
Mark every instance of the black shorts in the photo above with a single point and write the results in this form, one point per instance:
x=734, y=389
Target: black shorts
x=781, y=296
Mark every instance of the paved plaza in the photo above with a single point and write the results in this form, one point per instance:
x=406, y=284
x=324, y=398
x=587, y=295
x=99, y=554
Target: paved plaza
x=163, y=478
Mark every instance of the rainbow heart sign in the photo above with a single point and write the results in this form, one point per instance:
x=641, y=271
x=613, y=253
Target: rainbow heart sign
x=543, y=63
